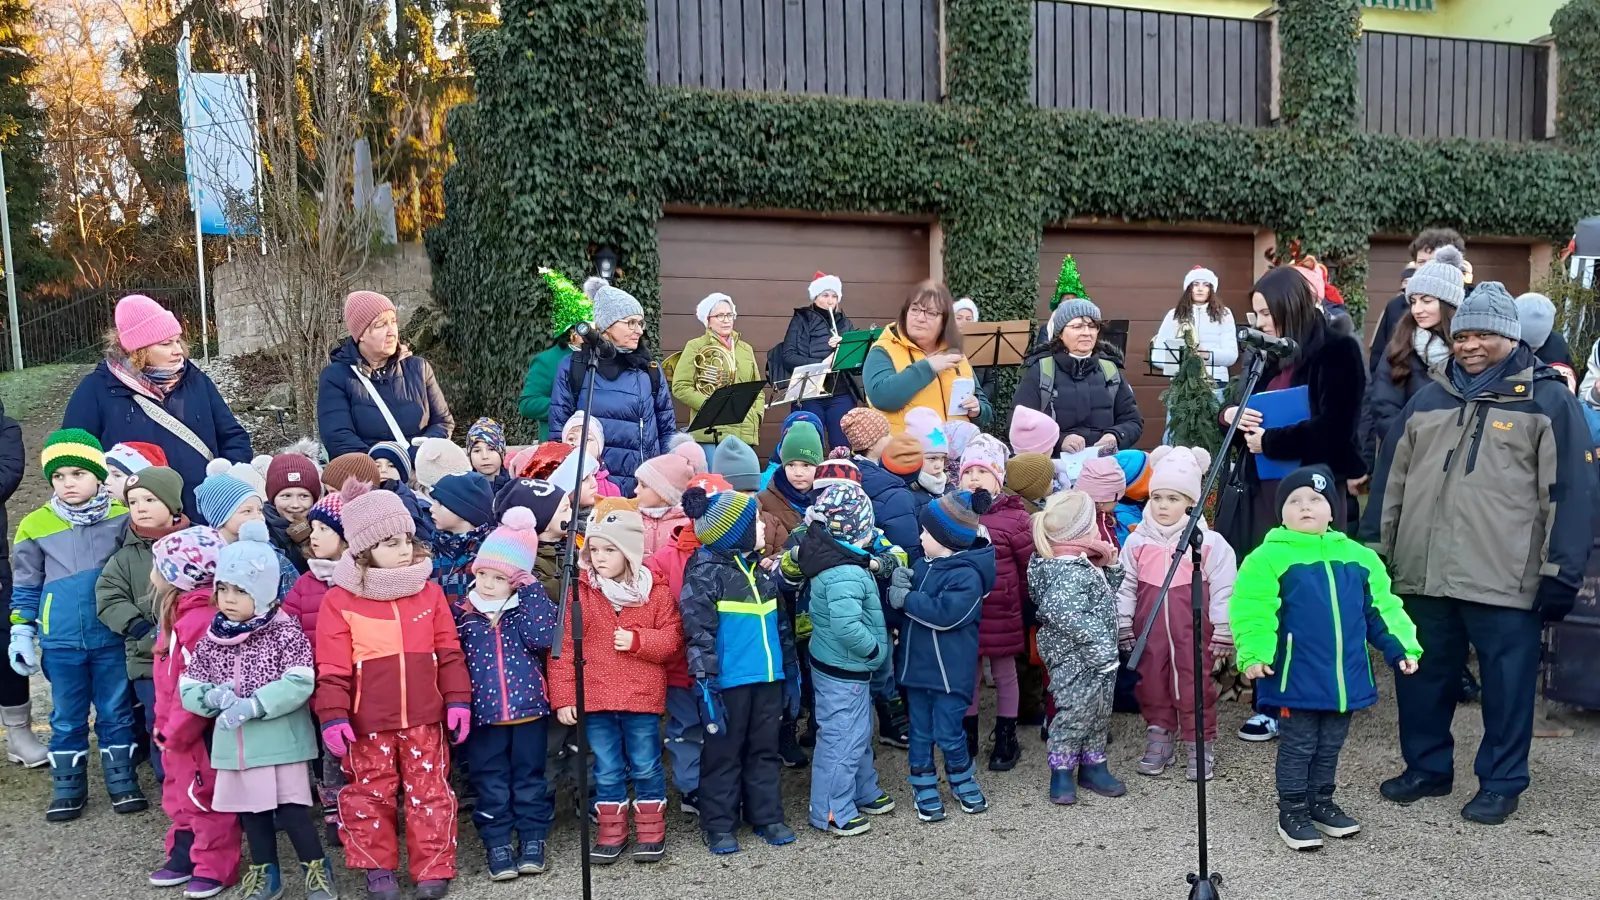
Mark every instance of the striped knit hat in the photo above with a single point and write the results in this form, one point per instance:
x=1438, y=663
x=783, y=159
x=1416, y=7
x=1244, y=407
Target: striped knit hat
x=397, y=456
x=490, y=432
x=725, y=522
x=953, y=520
x=330, y=512
x=513, y=548
x=73, y=447
x=220, y=496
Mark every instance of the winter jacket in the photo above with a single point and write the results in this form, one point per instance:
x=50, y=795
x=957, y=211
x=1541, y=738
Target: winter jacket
x=278, y=531
x=1393, y=312
x=668, y=565
x=633, y=680
x=637, y=418
x=1307, y=605
x=505, y=658
x=547, y=569
x=1331, y=369
x=744, y=368
x=56, y=566
x=349, y=419
x=1085, y=402
x=122, y=597
x=849, y=639
x=538, y=385
x=1077, y=615
x=893, y=508
x=806, y=340
x=1479, y=500
x=938, y=648
x=13, y=461
x=1555, y=352
x=778, y=518
x=733, y=630
x=1220, y=339
x=417, y=506
x=1382, y=404
x=1144, y=560
x=105, y=407
x=1000, y=633
x=659, y=530
x=176, y=726
x=452, y=562
x=387, y=665
x=897, y=377
x=272, y=666
x=304, y=603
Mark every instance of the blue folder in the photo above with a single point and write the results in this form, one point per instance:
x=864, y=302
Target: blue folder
x=1278, y=409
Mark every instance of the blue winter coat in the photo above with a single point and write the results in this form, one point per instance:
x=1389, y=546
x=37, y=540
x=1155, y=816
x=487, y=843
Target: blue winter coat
x=104, y=406
x=504, y=659
x=349, y=420
x=452, y=561
x=638, y=420
x=938, y=649
x=894, y=510
x=733, y=631
x=417, y=506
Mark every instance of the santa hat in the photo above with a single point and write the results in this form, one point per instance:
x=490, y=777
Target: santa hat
x=825, y=282
x=133, y=457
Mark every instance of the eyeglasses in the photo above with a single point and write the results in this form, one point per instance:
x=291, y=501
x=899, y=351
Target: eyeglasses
x=723, y=317
x=922, y=312
x=636, y=323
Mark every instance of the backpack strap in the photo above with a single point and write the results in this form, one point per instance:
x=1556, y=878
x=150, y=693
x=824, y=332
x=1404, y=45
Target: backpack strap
x=1113, y=377
x=1047, y=385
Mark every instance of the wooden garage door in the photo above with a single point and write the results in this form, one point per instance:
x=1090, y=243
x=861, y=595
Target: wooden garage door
x=1138, y=276
x=1505, y=263
x=765, y=264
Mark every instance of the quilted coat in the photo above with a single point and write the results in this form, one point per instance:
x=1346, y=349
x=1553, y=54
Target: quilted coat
x=350, y=421
x=637, y=420
x=1000, y=631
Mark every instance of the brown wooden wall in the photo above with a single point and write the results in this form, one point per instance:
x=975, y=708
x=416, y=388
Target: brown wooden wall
x=1506, y=263
x=1151, y=65
x=877, y=49
x=1416, y=86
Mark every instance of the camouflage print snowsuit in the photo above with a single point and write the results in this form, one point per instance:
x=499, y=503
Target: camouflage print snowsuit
x=1078, y=644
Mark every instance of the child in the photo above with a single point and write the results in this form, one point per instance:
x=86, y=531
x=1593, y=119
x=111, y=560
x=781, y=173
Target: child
x=122, y=592
x=893, y=508
x=1102, y=479
x=1001, y=635
x=486, y=450
x=293, y=485
x=202, y=846
x=1166, y=676
x=463, y=513
x=1077, y=642
x=434, y=459
x=937, y=656
x=304, y=603
x=227, y=502
x=595, y=445
x=634, y=631
x=1030, y=476
x=659, y=484
x=505, y=629
x=956, y=433
x=775, y=462
x=578, y=477
x=1034, y=432
x=849, y=640
x=130, y=458
x=902, y=456
x=736, y=462
x=253, y=673
x=741, y=656
x=1136, y=472
x=387, y=716
x=60, y=550
x=927, y=427
x=340, y=469
x=394, y=475
x=788, y=494
x=1312, y=586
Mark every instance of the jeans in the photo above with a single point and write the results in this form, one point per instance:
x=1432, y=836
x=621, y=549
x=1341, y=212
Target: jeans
x=626, y=744
x=685, y=737
x=505, y=764
x=936, y=719
x=842, y=772
x=1309, y=741
x=145, y=690
x=80, y=679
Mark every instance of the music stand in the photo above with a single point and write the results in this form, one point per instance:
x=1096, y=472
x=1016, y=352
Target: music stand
x=812, y=385
x=727, y=405
x=998, y=343
x=851, y=354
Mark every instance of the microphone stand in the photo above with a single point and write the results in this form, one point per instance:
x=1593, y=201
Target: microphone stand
x=1203, y=883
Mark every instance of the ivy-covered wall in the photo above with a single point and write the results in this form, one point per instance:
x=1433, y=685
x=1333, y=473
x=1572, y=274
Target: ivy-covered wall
x=568, y=148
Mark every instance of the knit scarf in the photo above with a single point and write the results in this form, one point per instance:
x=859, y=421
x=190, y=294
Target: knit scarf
x=492, y=607
x=322, y=569
x=226, y=631
x=934, y=485
x=622, y=594
x=1429, y=348
x=1101, y=553
x=87, y=513
x=1106, y=524
x=159, y=532
x=153, y=383
x=382, y=584
x=1470, y=386
x=800, y=500
x=1165, y=535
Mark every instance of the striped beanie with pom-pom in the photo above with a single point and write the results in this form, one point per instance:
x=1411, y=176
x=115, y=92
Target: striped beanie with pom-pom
x=330, y=512
x=724, y=522
x=953, y=520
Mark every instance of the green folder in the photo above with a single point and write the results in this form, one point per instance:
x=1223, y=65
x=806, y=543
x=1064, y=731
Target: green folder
x=851, y=354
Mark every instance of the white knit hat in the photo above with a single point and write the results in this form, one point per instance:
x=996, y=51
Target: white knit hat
x=1200, y=273
x=966, y=304
x=709, y=305
x=825, y=282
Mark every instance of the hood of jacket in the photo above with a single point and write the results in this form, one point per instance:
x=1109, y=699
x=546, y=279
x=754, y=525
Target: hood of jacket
x=820, y=551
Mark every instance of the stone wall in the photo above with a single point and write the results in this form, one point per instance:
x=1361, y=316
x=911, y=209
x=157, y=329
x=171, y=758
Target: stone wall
x=405, y=277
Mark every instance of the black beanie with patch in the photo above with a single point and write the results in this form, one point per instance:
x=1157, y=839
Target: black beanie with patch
x=1320, y=479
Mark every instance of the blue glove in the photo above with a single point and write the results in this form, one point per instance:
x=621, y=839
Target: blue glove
x=713, y=715
x=791, y=693
x=220, y=697
x=23, y=653
x=237, y=714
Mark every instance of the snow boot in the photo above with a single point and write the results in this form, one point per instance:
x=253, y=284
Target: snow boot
x=650, y=824
x=1063, y=787
x=894, y=723
x=1097, y=777
x=122, y=779
x=613, y=834
x=22, y=745
x=1295, y=825
x=70, y=776
x=964, y=785
x=925, y=794
x=1328, y=817
x=1003, y=757
x=1158, y=751
x=1191, y=750
x=789, y=747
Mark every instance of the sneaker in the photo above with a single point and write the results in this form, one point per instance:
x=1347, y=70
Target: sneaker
x=1489, y=808
x=381, y=885
x=531, y=860
x=1330, y=819
x=1258, y=728
x=1295, y=825
x=502, y=863
x=318, y=878
x=432, y=889
x=199, y=888
x=857, y=825
x=877, y=807
x=261, y=883
x=776, y=835
x=689, y=804
x=169, y=876
x=1409, y=787
x=721, y=842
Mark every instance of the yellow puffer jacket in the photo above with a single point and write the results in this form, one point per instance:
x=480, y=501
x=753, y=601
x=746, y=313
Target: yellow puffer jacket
x=903, y=354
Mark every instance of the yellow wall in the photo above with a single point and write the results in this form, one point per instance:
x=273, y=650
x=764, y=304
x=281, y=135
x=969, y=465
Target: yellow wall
x=1499, y=20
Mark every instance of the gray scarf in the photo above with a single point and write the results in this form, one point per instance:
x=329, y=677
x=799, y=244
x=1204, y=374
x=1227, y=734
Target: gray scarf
x=88, y=513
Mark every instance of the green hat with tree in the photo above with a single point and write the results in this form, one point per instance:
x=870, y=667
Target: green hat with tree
x=1068, y=283
x=570, y=305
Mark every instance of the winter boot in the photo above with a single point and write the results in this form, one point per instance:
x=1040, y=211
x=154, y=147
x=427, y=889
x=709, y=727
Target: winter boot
x=894, y=723
x=69, y=773
x=502, y=861
x=1295, y=825
x=964, y=785
x=1006, y=752
x=808, y=737
x=432, y=889
x=1328, y=817
x=1097, y=777
x=530, y=860
x=318, y=877
x=263, y=882
x=721, y=842
x=122, y=779
x=381, y=885
x=1158, y=751
x=22, y=745
x=1191, y=750
x=789, y=747
x=612, y=837
x=650, y=825
x=1063, y=784
x=969, y=724
x=776, y=835
x=925, y=793
x=179, y=867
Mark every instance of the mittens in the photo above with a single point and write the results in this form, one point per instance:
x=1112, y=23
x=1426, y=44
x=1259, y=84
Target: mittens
x=458, y=718
x=337, y=736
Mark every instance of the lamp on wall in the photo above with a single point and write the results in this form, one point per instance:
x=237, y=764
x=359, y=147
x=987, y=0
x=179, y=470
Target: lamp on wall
x=605, y=263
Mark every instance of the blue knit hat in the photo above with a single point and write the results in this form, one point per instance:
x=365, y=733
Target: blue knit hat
x=219, y=496
x=468, y=496
x=725, y=522
x=952, y=520
x=251, y=563
x=397, y=456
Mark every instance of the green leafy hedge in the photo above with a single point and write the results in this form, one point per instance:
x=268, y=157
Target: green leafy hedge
x=567, y=148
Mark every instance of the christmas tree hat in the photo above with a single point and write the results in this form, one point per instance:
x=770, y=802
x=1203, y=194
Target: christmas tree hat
x=571, y=306
x=1068, y=282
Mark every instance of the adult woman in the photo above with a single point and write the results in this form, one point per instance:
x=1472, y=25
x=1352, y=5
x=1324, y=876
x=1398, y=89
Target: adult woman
x=631, y=400
x=814, y=331
x=1420, y=342
x=147, y=390
x=1213, y=331
x=373, y=386
x=712, y=360
x=16, y=708
x=1071, y=380
x=988, y=376
x=570, y=308
x=917, y=360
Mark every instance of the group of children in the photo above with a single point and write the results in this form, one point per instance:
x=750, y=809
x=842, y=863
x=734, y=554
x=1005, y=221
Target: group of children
x=346, y=635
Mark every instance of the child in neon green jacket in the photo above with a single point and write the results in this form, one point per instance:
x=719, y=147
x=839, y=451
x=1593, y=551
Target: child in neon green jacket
x=1306, y=604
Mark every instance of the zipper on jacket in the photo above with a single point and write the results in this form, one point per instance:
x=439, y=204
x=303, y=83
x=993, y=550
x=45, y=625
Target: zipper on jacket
x=755, y=597
x=238, y=672
x=395, y=606
x=1288, y=655
x=44, y=614
x=500, y=667
x=1338, y=636
x=356, y=707
x=1477, y=438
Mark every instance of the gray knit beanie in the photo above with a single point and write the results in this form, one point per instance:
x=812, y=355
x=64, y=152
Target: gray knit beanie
x=1537, y=314
x=612, y=305
x=1072, y=309
x=1491, y=309
x=1440, y=277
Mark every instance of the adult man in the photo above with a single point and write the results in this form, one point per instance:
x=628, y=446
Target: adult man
x=1422, y=250
x=1481, y=505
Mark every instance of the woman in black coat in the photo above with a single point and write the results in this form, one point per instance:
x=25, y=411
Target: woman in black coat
x=1075, y=382
x=16, y=710
x=812, y=336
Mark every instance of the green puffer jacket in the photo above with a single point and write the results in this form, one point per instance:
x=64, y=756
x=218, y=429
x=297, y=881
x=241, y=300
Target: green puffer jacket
x=848, y=636
x=539, y=384
x=744, y=369
x=122, y=597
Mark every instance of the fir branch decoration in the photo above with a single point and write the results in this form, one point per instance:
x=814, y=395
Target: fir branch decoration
x=1191, y=401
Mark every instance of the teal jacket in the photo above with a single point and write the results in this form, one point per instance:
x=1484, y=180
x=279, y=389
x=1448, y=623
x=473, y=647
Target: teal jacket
x=848, y=636
x=56, y=565
x=1307, y=605
x=271, y=667
x=540, y=383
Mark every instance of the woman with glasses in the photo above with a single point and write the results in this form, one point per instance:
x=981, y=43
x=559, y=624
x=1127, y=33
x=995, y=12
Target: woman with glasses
x=1071, y=380
x=717, y=359
x=918, y=360
x=813, y=334
x=632, y=401
x=373, y=387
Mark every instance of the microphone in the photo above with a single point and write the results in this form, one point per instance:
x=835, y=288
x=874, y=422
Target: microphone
x=595, y=341
x=1280, y=347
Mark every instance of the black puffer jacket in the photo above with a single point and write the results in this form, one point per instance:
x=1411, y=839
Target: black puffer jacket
x=1085, y=404
x=13, y=458
x=806, y=342
x=1382, y=404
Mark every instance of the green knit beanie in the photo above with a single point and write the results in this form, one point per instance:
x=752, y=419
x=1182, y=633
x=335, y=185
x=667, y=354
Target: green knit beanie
x=73, y=447
x=801, y=444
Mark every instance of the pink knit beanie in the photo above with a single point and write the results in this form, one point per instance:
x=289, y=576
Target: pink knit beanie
x=667, y=475
x=371, y=516
x=362, y=308
x=1179, y=469
x=1102, y=479
x=683, y=445
x=142, y=322
x=986, y=451
x=1033, y=432
x=927, y=426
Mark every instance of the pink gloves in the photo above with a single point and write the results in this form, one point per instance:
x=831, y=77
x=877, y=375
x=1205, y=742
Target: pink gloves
x=459, y=720
x=338, y=736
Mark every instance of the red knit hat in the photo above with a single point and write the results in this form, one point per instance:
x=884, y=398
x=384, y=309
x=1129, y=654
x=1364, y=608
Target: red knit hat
x=293, y=470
